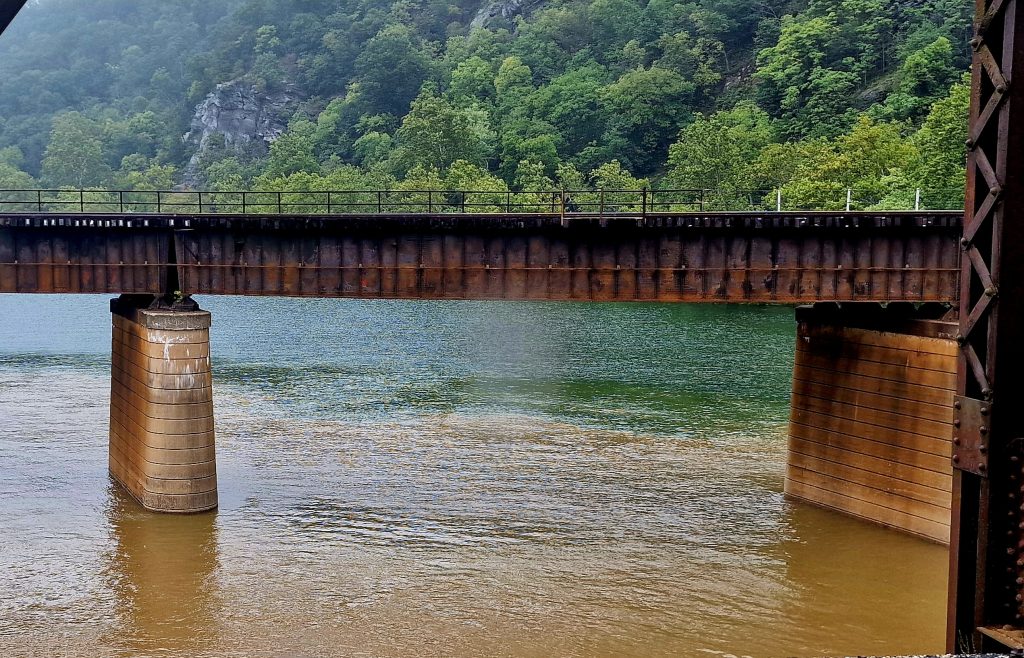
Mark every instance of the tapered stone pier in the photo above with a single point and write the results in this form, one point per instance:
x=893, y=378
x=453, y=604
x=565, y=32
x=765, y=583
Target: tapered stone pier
x=161, y=404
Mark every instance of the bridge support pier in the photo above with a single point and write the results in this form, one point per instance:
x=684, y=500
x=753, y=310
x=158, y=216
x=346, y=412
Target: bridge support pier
x=161, y=404
x=871, y=419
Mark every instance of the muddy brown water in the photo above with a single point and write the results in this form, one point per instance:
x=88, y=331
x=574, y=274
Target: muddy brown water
x=445, y=479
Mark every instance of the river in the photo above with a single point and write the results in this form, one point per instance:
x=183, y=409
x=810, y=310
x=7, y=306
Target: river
x=403, y=478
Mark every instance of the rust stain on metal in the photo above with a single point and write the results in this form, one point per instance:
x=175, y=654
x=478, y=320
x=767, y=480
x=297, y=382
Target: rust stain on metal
x=972, y=420
x=715, y=257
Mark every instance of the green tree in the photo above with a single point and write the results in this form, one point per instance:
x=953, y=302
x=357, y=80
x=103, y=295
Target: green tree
x=11, y=175
x=74, y=157
x=716, y=152
x=940, y=169
x=436, y=133
x=646, y=107
x=137, y=172
x=472, y=79
x=391, y=68
x=868, y=160
x=292, y=152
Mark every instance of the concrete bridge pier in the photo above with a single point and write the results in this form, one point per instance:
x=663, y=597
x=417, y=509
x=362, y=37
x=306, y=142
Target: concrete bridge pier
x=871, y=423
x=161, y=404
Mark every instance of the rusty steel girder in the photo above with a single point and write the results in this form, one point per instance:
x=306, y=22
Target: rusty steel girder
x=986, y=581
x=727, y=257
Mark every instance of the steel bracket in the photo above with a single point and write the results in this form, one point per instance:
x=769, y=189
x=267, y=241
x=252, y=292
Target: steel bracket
x=972, y=420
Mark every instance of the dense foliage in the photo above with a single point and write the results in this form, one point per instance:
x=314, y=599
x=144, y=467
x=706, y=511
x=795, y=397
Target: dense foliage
x=812, y=97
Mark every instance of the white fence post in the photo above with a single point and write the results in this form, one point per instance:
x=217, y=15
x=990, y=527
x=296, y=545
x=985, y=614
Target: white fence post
x=849, y=198
x=778, y=200
x=917, y=199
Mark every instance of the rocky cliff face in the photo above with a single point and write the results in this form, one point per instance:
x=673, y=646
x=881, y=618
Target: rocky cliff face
x=507, y=9
x=241, y=118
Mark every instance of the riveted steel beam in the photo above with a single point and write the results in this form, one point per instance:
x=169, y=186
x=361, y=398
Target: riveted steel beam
x=726, y=257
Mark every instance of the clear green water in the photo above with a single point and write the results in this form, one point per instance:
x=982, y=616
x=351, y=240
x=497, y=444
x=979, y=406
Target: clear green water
x=450, y=479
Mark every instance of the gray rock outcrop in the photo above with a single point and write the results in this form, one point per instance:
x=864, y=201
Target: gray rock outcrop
x=507, y=9
x=241, y=118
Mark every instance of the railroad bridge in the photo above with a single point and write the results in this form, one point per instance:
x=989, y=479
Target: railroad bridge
x=872, y=407
x=902, y=414
x=874, y=376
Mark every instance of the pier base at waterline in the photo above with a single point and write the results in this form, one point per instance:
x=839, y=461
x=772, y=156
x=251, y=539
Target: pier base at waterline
x=870, y=431
x=161, y=404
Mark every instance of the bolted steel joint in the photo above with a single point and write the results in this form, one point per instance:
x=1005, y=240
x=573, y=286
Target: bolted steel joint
x=976, y=43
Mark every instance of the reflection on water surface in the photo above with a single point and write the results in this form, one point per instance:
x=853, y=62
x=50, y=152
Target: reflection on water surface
x=428, y=478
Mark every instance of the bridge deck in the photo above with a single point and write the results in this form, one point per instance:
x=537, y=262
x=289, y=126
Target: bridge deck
x=679, y=257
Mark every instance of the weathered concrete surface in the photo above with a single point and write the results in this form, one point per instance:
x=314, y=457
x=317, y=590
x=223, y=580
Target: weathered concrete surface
x=161, y=406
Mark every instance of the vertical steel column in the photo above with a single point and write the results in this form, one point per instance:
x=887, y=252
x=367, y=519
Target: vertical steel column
x=986, y=582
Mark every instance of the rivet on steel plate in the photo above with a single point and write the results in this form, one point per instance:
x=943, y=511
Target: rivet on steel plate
x=991, y=291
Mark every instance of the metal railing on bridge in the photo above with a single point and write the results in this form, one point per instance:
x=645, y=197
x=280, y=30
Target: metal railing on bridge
x=330, y=202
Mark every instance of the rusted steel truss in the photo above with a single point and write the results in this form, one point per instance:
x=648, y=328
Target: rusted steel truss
x=986, y=597
x=739, y=257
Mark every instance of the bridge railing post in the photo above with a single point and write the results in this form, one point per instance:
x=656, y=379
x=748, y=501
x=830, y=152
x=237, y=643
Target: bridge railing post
x=158, y=202
x=39, y=200
x=200, y=203
x=81, y=200
x=643, y=203
x=279, y=206
x=243, y=203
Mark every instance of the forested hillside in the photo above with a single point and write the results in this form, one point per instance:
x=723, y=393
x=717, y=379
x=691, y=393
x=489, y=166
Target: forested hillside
x=813, y=97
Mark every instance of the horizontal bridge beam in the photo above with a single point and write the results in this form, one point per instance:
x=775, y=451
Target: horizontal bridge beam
x=678, y=257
